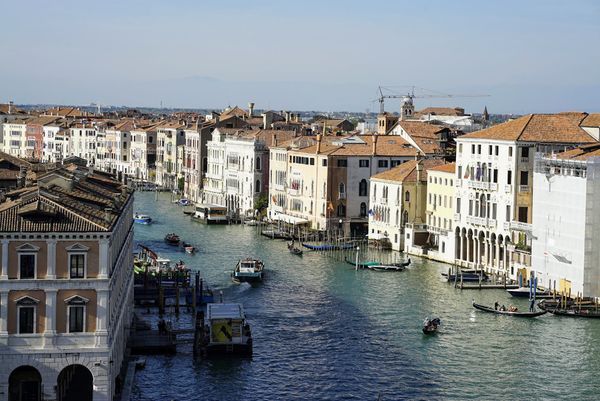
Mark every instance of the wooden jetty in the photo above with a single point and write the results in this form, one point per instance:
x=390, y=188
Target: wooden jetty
x=153, y=342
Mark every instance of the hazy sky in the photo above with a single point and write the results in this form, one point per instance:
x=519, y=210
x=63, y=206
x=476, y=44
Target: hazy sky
x=530, y=56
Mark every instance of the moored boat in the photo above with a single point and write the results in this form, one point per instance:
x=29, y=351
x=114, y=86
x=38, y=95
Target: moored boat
x=188, y=248
x=363, y=265
x=276, y=234
x=142, y=218
x=208, y=213
x=525, y=292
x=327, y=247
x=584, y=311
x=172, y=239
x=388, y=267
x=226, y=331
x=184, y=202
x=514, y=312
x=249, y=271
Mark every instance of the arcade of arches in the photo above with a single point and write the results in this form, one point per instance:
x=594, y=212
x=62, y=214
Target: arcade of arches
x=74, y=383
x=481, y=248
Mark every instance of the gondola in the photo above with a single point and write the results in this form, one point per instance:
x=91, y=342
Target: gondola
x=430, y=326
x=327, y=247
x=293, y=250
x=508, y=313
x=388, y=268
x=363, y=265
x=588, y=313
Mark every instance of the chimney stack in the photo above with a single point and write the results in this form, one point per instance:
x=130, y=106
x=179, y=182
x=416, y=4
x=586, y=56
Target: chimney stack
x=250, y=109
x=10, y=104
x=287, y=117
x=274, y=140
x=318, y=143
x=374, y=145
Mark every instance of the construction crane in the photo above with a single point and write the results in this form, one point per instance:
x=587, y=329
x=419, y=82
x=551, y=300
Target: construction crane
x=410, y=95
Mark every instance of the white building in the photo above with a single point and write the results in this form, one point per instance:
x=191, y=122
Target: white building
x=14, y=137
x=566, y=222
x=66, y=287
x=494, y=177
x=50, y=153
x=83, y=141
x=170, y=135
x=143, y=152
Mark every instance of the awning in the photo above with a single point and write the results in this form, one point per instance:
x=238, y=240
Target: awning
x=286, y=218
x=377, y=236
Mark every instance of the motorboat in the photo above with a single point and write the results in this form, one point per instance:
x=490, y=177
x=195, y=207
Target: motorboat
x=184, y=202
x=188, y=248
x=251, y=223
x=142, y=218
x=172, y=239
x=511, y=311
x=526, y=292
x=226, y=331
x=210, y=214
x=249, y=271
x=430, y=326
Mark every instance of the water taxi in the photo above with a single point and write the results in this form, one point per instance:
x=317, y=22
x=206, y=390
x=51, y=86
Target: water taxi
x=249, y=271
x=172, y=239
x=142, y=218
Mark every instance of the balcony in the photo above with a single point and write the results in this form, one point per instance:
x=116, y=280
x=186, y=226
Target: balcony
x=456, y=216
x=524, y=189
x=506, y=225
x=458, y=183
x=520, y=226
x=384, y=201
x=490, y=186
x=342, y=195
x=524, y=159
x=508, y=189
x=294, y=192
x=437, y=230
x=478, y=221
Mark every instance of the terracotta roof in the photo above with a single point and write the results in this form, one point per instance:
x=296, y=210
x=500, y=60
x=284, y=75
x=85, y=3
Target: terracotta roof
x=444, y=168
x=387, y=145
x=65, y=201
x=407, y=172
x=592, y=120
x=13, y=110
x=544, y=128
x=235, y=111
x=441, y=111
x=43, y=120
x=581, y=153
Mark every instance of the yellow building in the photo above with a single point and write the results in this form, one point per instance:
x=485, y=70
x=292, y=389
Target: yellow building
x=440, y=212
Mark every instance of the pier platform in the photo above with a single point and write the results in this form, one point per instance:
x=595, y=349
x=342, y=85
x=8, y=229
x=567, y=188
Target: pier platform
x=149, y=342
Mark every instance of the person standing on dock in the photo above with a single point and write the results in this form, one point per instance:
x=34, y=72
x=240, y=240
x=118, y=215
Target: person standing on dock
x=531, y=304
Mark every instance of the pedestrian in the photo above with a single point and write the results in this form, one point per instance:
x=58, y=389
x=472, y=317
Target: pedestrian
x=531, y=305
x=496, y=305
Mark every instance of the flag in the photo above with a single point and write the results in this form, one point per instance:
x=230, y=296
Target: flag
x=274, y=199
x=371, y=213
x=330, y=206
x=466, y=172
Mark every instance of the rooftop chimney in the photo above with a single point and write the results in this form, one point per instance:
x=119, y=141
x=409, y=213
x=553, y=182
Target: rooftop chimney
x=374, y=145
x=318, y=143
x=287, y=117
x=10, y=104
x=250, y=109
x=274, y=140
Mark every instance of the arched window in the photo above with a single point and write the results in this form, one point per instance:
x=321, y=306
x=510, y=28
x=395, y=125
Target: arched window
x=258, y=166
x=341, y=210
x=257, y=186
x=407, y=196
x=342, y=188
x=363, y=209
x=362, y=188
x=397, y=217
x=404, y=217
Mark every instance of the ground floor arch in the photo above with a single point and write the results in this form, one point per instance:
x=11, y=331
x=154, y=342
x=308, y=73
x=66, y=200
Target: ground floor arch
x=75, y=383
x=25, y=384
x=482, y=249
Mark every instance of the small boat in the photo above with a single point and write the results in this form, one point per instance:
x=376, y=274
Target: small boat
x=172, y=239
x=328, y=247
x=142, y=218
x=184, y=202
x=571, y=311
x=430, y=326
x=294, y=250
x=188, y=248
x=467, y=277
x=363, y=265
x=508, y=312
x=251, y=223
x=249, y=271
x=397, y=267
x=276, y=234
x=524, y=292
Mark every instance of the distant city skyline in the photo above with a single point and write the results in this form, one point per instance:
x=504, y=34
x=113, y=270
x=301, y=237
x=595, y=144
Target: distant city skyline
x=534, y=56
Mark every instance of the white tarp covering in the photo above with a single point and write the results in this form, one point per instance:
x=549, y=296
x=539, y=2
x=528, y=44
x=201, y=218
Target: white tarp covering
x=286, y=218
x=377, y=236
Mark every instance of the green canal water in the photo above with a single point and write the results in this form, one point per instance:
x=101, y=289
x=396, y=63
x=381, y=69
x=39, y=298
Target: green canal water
x=323, y=331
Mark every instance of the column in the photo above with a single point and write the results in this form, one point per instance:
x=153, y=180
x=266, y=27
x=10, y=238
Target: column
x=497, y=254
x=103, y=259
x=51, y=272
x=457, y=247
x=50, y=331
x=4, y=267
x=102, y=316
x=3, y=317
x=468, y=258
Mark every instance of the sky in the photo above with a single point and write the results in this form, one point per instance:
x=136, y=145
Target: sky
x=525, y=56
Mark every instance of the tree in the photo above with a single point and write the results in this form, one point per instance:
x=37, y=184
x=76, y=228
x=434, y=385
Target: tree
x=180, y=183
x=261, y=203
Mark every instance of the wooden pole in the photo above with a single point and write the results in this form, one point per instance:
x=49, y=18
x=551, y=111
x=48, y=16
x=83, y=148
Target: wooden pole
x=161, y=300
x=177, y=299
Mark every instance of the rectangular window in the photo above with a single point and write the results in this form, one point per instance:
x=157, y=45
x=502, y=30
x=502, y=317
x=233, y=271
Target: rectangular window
x=342, y=163
x=459, y=148
x=457, y=205
x=495, y=177
x=478, y=149
x=497, y=150
x=473, y=149
x=76, y=319
x=490, y=150
x=77, y=265
x=524, y=152
x=27, y=265
x=509, y=177
x=470, y=207
x=383, y=163
x=26, y=319
x=510, y=150
x=523, y=214
x=363, y=163
x=324, y=162
x=507, y=212
x=524, y=178
x=312, y=161
x=494, y=210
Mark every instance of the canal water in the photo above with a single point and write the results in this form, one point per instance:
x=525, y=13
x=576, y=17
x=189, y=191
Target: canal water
x=323, y=331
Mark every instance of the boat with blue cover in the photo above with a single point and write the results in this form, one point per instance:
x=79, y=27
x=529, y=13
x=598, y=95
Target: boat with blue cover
x=142, y=218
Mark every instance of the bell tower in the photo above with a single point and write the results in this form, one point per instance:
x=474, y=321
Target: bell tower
x=407, y=108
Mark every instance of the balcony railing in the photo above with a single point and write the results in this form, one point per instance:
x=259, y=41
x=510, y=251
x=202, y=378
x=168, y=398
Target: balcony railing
x=342, y=195
x=490, y=186
x=524, y=188
x=479, y=221
x=456, y=216
x=508, y=188
x=458, y=183
x=520, y=226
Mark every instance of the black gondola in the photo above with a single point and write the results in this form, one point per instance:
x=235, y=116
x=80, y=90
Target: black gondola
x=294, y=250
x=588, y=313
x=507, y=312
